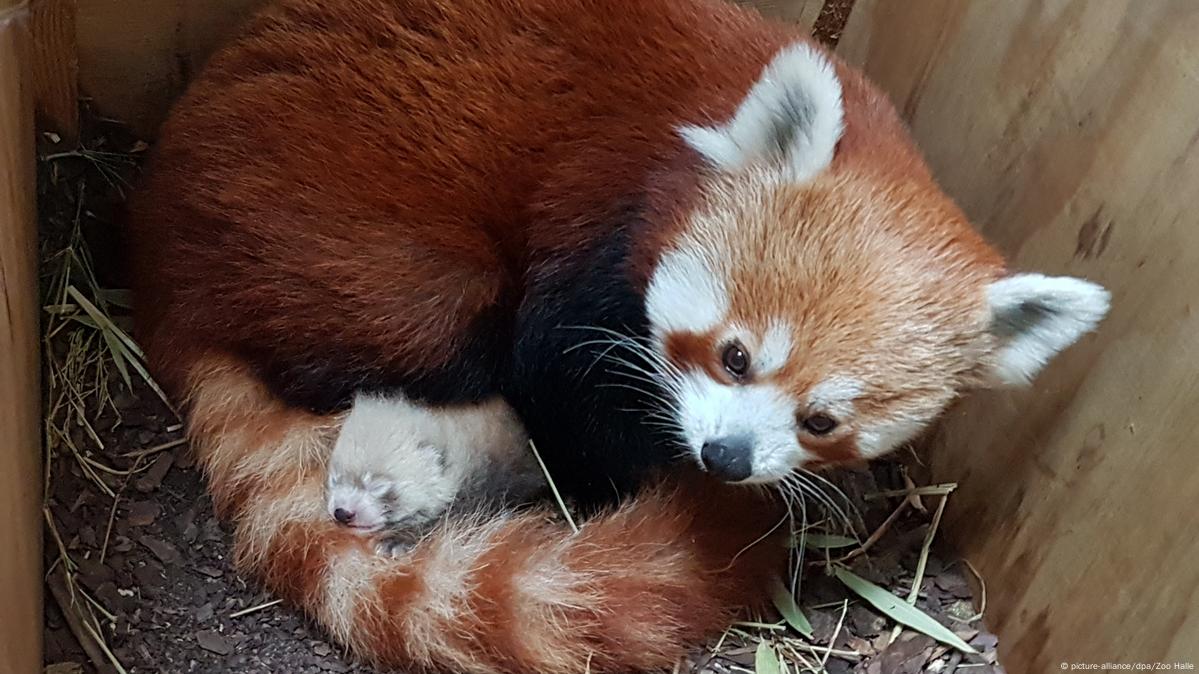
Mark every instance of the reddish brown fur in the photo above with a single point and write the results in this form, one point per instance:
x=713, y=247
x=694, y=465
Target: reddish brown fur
x=652, y=576
x=699, y=351
x=320, y=252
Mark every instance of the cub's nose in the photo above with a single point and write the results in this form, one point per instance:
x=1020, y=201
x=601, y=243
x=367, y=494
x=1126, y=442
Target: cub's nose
x=730, y=458
x=343, y=516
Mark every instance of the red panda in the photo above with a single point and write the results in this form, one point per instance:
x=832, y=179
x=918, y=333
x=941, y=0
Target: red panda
x=657, y=229
x=396, y=468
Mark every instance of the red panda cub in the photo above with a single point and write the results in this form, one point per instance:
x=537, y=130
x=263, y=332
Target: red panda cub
x=671, y=235
x=388, y=482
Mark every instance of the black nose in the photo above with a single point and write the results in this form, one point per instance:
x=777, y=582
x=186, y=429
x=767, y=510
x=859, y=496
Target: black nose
x=342, y=515
x=729, y=458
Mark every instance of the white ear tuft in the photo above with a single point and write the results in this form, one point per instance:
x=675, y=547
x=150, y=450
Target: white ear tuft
x=793, y=113
x=1034, y=317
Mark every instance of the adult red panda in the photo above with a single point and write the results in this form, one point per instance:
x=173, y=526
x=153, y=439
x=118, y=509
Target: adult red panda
x=656, y=228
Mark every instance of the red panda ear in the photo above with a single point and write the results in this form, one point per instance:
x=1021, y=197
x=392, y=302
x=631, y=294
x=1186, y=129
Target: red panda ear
x=1034, y=317
x=792, y=116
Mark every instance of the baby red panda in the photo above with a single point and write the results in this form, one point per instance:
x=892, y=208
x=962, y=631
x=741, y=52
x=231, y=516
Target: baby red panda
x=660, y=230
x=397, y=468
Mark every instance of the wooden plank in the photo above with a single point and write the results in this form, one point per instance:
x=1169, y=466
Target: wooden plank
x=135, y=63
x=20, y=465
x=803, y=12
x=1070, y=131
x=55, y=66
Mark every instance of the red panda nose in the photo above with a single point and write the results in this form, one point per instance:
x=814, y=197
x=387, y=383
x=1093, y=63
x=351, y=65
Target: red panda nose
x=729, y=458
x=343, y=516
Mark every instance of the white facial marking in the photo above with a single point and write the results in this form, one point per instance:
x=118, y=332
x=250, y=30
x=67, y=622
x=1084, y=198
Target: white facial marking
x=774, y=349
x=878, y=438
x=834, y=396
x=363, y=503
x=792, y=114
x=685, y=294
x=709, y=410
x=1034, y=317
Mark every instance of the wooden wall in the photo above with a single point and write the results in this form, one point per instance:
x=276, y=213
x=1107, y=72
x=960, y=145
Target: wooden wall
x=134, y=63
x=1069, y=130
x=20, y=394
x=803, y=12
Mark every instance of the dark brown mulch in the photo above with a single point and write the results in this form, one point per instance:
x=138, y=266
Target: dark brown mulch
x=166, y=575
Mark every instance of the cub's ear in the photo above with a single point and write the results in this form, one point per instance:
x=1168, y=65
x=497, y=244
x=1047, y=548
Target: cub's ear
x=792, y=115
x=1034, y=317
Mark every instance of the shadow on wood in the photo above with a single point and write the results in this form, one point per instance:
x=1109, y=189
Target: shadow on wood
x=1069, y=132
x=20, y=394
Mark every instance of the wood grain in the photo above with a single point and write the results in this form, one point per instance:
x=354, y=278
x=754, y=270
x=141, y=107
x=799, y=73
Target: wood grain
x=1069, y=131
x=55, y=66
x=20, y=395
x=803, y=12
x=135, y=63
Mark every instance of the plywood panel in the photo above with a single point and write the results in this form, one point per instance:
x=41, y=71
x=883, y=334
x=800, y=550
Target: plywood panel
x=55, y=66
x=20, y=467
x=1069, y=130
x=803, y=12
x=134, y=63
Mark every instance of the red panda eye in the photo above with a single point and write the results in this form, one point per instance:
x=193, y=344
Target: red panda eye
x=819, y=424
x=736, y=360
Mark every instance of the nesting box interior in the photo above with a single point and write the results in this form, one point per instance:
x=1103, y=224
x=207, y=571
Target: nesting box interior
x=1069, y=131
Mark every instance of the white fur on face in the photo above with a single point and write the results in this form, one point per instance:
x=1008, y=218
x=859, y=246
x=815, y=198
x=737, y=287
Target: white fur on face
x=793, y=115
x=685, y=294
x=709, y=410
x=834, y=396
x=412, y=483
x=365, y=498
x=395, y=460
x=880, y=437
x=1034, y=317
x=774, y=350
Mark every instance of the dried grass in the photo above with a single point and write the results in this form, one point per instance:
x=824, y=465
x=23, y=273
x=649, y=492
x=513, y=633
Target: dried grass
x=86, y=356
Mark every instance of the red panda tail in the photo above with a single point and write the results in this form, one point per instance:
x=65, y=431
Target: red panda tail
x=510, y=593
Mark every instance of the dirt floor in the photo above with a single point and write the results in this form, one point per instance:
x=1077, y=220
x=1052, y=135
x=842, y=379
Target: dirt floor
x=138, y=576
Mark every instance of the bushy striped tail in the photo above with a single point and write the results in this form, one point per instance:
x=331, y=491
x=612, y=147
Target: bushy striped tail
x=514, y=593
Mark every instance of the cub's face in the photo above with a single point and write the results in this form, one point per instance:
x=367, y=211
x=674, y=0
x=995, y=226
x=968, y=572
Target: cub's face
x=380, y=473
x=361, y=501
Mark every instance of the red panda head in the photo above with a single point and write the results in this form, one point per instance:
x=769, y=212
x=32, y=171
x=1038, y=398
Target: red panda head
x=814, y=310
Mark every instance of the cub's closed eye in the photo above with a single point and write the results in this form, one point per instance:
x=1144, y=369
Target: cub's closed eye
x=819, y=424
x=736, y=360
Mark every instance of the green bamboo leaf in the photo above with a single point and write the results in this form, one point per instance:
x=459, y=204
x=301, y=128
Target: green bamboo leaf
x=131, y=350
x=119, y=356
x=145, y=375
x=822, y=541
x=84, y=320
x=117, y=297
x=91, y=309
x=784, y=601
x=766, y=661
x=899, y=610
